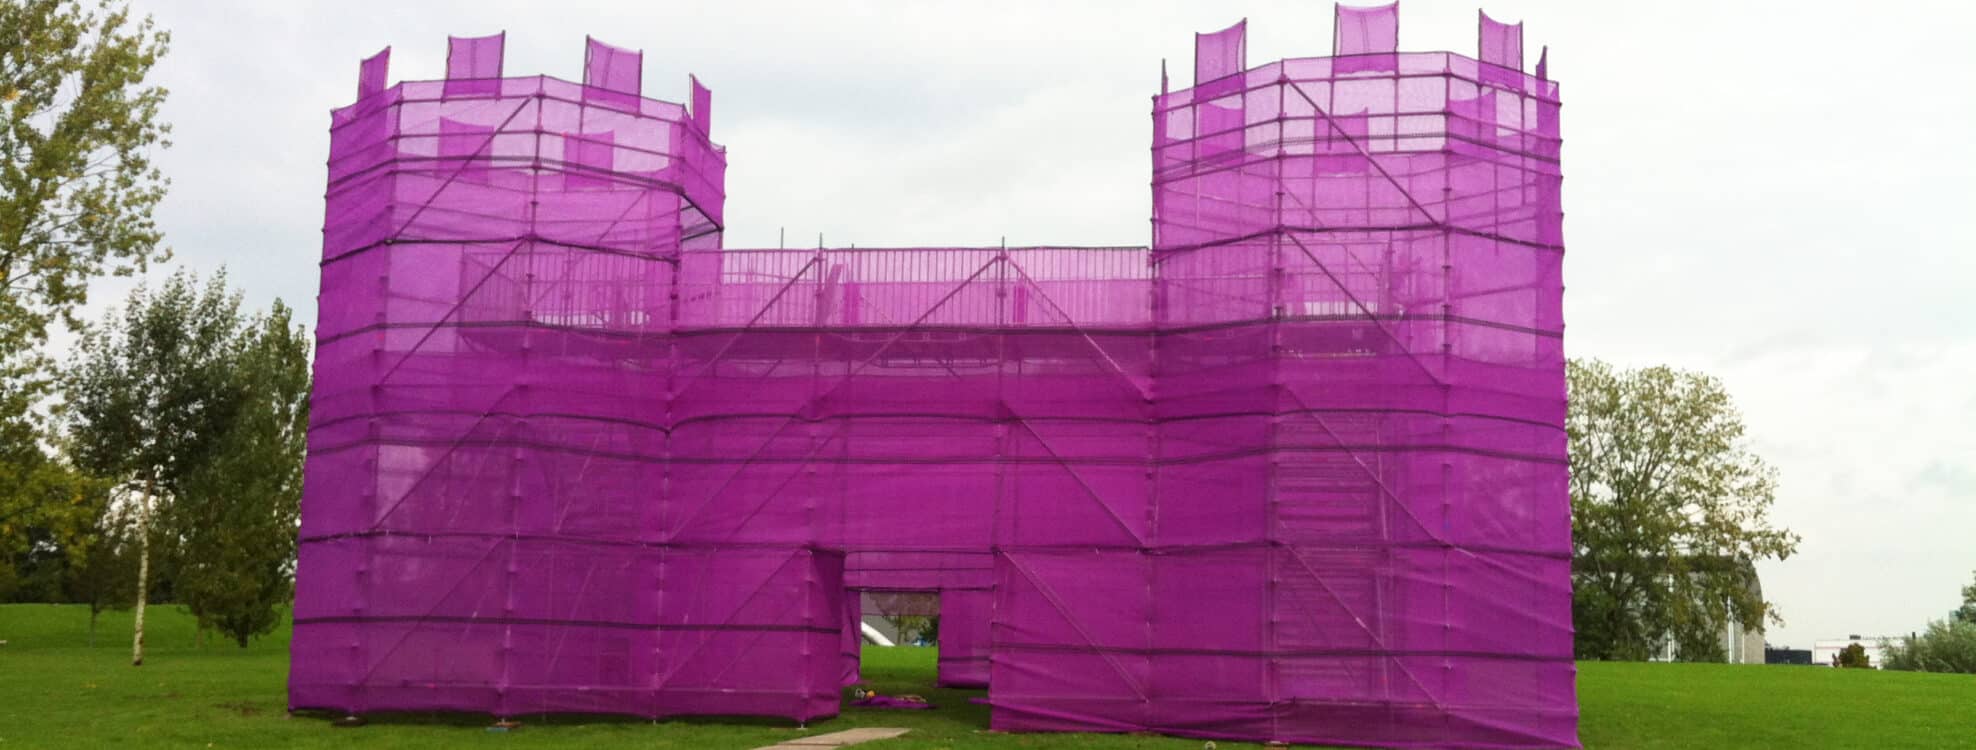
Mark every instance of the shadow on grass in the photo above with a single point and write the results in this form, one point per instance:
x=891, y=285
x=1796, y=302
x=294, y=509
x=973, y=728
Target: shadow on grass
x=466, y=719
x=954, y=709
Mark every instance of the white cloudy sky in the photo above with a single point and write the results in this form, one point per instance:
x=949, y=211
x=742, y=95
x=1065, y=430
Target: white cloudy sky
x=1778, y=193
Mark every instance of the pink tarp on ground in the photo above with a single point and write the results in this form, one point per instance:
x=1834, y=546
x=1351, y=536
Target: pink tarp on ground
x=1294, y=472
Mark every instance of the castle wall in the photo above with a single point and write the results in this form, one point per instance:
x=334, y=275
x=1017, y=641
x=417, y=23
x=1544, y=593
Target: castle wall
x=1294, y=472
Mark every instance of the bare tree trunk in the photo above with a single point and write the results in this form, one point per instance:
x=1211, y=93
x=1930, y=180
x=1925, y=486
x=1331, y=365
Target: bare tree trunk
x=143, y=575
x=92, y=625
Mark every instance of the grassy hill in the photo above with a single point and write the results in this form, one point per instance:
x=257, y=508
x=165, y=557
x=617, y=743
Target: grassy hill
x=57, y=691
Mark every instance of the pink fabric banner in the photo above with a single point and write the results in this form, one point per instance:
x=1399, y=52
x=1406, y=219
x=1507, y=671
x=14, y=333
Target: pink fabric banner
x=1221, y=54
x=610, y=73
x=372, y=73
x=612, y=68
x=1500, y=43
x=1365, y=31
x=475, y=56
x=703, y=105
x=473, y=64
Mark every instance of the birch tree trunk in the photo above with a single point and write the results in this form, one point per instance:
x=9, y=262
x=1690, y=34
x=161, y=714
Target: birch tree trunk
x=143, y=575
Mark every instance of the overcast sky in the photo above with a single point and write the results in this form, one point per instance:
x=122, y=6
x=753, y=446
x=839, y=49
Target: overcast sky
x=1780, y=194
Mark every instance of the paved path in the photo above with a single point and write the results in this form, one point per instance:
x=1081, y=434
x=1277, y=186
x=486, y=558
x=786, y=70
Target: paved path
x=837, y=739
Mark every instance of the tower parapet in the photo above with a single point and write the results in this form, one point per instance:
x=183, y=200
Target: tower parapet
x=1369, y=137
x=478, y=156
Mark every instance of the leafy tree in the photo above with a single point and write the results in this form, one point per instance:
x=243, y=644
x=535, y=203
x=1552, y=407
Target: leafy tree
x=24, y=469
x=41, y=500
x=235, y=518
x=77, y=185
x=1669, y=513
x=77, y=188
x=1967, y=612
x=150, y=394
x=46, y=512
x=918, y=628
x=1853, y=656
x=1946, y=646
x=103, y=572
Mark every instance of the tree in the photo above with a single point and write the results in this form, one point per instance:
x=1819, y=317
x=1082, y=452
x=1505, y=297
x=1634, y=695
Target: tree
x=77, y=188
x=1943, y=646
x=46, y=513
x=77, y=185
x=149, y=395
x=1669, y=513
x=234, y=521
x=103, y=572
x=1967, y=612
x=1947, y=645
x=44, y=503
x=918, y=628
x=1853, y=656
x=25, y=498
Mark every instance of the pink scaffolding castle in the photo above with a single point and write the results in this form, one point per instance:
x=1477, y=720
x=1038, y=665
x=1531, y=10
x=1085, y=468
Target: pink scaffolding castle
x=1295, y=472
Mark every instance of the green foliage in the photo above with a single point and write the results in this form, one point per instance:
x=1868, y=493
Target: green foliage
x=47, y=510
x=149, y=390
x=77, y=188
x=917, y=628
x=1946, y=646
x=235, y=518
x=1853, y=656
x=202, y=412
x=44, y=504
x=1669, y=513
x=77, y=185
x=103, y=570
x=1698, y=637
x=1967, y=612
x=148, y=398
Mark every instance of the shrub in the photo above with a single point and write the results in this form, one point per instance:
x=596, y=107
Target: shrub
x=1946, y=646
x=1852, y=657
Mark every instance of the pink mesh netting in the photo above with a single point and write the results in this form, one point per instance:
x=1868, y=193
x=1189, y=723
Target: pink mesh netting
x=703, y=104
x=1365, y=39
x=475, y=57
x=1500, y=43
x=372, y=74
x=1222, y=53
x=608, y=67
x=1294, y=472
x=1363, y=31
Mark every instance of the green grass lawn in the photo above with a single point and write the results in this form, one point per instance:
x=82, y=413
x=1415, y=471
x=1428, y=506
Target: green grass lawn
x=57, y=691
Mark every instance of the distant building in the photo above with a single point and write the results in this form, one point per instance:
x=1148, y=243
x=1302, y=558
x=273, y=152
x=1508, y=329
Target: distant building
x=1822, y=652
x=1741, y=644
x=1787, y=655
